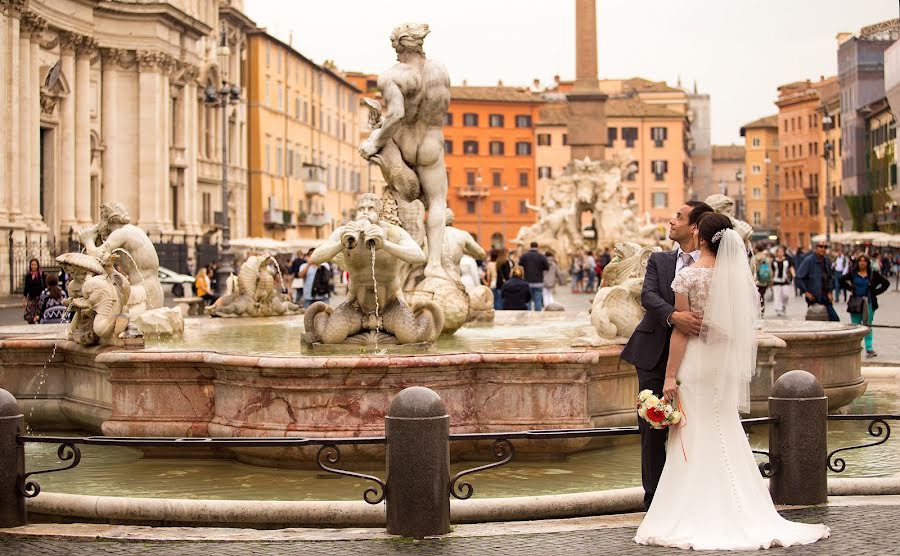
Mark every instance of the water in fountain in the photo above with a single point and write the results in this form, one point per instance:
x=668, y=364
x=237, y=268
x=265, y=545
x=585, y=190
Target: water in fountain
x=375, y=288
x=42, y=376
x=143, y=280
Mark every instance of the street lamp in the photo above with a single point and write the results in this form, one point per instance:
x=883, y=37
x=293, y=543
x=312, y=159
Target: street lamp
x=828, y=155
x=226, y=95
x=739, y=177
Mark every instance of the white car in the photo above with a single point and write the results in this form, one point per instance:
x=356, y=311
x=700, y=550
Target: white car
x=178, y=283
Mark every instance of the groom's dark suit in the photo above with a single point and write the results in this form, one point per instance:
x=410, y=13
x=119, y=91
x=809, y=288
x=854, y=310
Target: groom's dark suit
x=648, y=351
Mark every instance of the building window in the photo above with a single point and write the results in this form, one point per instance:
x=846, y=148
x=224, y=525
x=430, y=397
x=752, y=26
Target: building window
x=268, y=158
x=470, y=206
x=470, y=120
x=629, y=135
x=496, y=147
x=523, y=121
x=757, y=218
x=470, y=178
x=470, y=147
x=660, y=200
x=496, y=178
x=448, y=119
x=495, y=120
x=565, y=139
x=278, y=89
x=207, y=208
x=757, y=193
x=523, y=207
x=659, y=135
x=545, y=172
x=755, y=169
x=755, y=142
x=612, y=134
x=448, y=146
x=660, y=168
x=523, y=179
x=498, y=207
x=277, y=161
x=523, y=148
x=543, y=139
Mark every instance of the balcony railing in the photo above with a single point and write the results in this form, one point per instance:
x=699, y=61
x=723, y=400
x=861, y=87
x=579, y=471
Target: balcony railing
x=278, y=218
x=315, y=219
x=810, y=193
x=315, y=187
x=470, y=192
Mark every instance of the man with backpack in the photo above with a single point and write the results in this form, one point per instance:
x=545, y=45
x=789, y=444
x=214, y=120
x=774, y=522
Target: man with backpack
x=763, y=276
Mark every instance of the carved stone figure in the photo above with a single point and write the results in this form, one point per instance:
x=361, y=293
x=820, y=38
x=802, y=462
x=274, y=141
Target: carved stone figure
x=616, y=309
x=139, y=262
x=252, y=293
x=97, y=295
x=407, y=143
x=724, y=204
x=458, y=243
x=375, y=309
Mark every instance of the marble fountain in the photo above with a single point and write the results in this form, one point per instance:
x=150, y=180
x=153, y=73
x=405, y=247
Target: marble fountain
x=128, y=367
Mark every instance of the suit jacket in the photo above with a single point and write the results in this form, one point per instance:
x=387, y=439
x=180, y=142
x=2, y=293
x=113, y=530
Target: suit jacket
x=649, y=342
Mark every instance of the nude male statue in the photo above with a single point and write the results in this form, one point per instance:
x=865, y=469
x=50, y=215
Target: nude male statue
x=140, y=266
x=417, y=94
x=392, y=245
x=456, y=244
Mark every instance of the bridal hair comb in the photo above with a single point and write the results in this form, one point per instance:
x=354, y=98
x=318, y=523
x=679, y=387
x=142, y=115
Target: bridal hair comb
x=718, y=235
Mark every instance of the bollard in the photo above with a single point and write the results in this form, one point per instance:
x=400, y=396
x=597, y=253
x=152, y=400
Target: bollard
x=417, y=430
x=798, y=443
x=12, y=462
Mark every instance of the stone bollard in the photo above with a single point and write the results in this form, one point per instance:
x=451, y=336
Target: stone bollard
x=798, y=444
x=417, y=430
x=12, y=462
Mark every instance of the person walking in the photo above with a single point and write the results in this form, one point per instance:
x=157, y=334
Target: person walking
x=504, y=270
x=534, y=264
x=841, y=267
x=590, y=267
x=35, y=282
x=516, y=292
x=552, y=276
x=577, y=273
x=296, y=280
x=814, y=279
x=763, y=277
x=864, y=284
x=490, y=275
x=52, y=308
x=317, y=283
x=782, y=278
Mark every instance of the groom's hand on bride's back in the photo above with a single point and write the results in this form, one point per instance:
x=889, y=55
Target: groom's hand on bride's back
x=687, y=321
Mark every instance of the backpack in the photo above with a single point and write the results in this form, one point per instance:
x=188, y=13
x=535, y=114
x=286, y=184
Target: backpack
x=321, y=285
x=763, y=272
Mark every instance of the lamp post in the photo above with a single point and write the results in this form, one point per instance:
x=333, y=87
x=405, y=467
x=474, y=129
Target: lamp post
x=739, y=177
x=222, y=97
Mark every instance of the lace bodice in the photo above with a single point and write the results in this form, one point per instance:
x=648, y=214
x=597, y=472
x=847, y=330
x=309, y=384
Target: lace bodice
x=693, y=282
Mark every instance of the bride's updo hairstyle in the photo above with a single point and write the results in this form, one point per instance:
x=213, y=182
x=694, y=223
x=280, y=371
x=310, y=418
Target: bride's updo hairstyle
x=710, y=224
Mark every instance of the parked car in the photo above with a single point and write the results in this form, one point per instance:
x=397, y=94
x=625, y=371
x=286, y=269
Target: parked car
x=179, y=283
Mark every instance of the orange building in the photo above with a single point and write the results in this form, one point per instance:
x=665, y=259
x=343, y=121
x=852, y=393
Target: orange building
x=800, y=139
x=489, y=148
x=761, y=174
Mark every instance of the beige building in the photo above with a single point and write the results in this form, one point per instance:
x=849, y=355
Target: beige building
x=728, y=174
x=305, y=171
x=648, y=119
x=761, y=174
x=102, y=101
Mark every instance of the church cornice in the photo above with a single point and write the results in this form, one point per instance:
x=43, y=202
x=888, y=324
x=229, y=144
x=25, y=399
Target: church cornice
x=170, y=15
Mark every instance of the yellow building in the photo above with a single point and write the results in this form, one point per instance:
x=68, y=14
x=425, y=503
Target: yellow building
x=761, y=174
x=305, y=172
x=831, y=161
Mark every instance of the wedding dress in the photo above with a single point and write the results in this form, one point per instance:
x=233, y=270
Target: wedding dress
x=711, y=495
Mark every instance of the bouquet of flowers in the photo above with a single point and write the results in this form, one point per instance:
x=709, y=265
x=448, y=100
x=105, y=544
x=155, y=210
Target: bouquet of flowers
x=660, y=414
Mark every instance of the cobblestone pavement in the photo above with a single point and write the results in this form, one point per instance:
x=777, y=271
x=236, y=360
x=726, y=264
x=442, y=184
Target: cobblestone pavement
x=856, y=530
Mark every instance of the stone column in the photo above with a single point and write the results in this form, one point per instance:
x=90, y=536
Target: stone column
x=4, y=110
x=34, y=208
x=191, y=149
x=110, y=122
x=587, y=115
x=83, y=131
x=12, y=117
x=150, y=163
x=166, y=66
x=585, y=44
x=65, y=192
x=23, y=187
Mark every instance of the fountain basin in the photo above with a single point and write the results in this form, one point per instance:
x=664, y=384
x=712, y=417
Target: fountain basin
x=231, y=377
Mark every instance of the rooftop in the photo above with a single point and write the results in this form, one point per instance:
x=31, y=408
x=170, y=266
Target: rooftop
x=767, y=121
x=727, y=152
x=494, y=94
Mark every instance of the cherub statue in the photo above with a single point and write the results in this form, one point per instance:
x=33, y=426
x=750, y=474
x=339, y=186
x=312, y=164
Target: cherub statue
x=97, y=299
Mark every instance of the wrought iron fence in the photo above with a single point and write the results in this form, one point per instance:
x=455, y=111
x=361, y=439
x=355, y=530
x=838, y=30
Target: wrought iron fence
x=879, y=427
x=42, y=249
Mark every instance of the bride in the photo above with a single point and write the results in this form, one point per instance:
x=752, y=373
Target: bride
x=711, y=495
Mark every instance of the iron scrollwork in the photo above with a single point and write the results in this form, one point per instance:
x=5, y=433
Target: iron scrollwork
x=766, y=468
x=502, y=449
x=66, y=451
x=330, y=455
x=877, y=427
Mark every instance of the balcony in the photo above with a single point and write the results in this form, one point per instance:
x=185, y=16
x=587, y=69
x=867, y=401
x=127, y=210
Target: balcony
x=810, y=193
x=314, y=219
x=277, y=218
x=315, y=188
x=469, y=192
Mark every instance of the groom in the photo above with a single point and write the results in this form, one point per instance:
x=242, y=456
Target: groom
x=648, y=347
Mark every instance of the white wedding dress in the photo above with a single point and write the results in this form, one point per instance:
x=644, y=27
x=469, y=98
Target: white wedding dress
x=711, y=495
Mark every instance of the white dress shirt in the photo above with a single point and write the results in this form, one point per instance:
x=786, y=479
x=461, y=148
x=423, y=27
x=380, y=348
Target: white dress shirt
x=679, y=264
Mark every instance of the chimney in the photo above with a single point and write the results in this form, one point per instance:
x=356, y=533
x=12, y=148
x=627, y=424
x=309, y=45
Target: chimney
x=465, y=83
x=499, y=83
x=536, y=83
x=556, y=79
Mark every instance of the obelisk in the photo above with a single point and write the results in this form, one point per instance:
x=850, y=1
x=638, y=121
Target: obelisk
x=587, y=119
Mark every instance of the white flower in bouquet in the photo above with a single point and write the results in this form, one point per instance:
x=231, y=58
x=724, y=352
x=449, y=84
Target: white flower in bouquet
x=642, y=397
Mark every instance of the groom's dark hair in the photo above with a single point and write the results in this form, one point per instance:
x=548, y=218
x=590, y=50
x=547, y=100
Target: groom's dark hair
x=698, y=208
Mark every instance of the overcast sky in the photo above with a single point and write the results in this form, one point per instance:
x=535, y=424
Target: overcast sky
x=737, y=51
